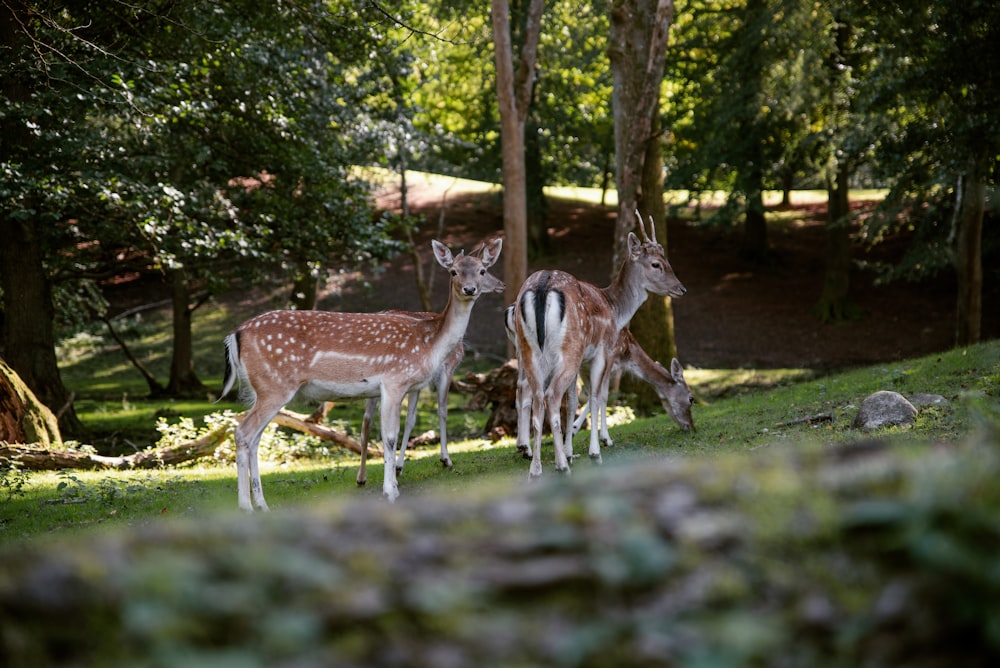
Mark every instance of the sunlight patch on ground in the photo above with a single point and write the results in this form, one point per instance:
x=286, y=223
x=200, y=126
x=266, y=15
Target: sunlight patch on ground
x=387, y=182
x=706, y=383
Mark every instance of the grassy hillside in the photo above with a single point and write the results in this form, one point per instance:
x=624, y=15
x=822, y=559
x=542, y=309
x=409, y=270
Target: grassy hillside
x=745, y=419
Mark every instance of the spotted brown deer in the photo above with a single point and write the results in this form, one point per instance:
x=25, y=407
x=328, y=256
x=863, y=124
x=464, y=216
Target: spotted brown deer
x=669, y=384
x=559, y=322
x=321, y=355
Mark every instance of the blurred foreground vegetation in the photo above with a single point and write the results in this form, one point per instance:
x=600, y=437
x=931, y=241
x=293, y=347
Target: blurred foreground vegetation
x=843, y=555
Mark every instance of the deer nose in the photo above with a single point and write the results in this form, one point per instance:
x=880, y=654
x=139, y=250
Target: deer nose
x=469, y=291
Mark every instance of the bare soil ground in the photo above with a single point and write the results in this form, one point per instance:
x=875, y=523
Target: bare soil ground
x=734, y=315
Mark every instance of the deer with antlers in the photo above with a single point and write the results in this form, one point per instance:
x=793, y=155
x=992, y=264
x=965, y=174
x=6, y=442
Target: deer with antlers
x=321, y=355
x=559, y=322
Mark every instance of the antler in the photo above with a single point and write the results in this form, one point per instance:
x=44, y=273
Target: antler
x=642, y=226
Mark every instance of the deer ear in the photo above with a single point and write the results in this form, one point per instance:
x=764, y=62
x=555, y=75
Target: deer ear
x=492, y=252
x=634, y=245
x=676, y=370
x=443, y=255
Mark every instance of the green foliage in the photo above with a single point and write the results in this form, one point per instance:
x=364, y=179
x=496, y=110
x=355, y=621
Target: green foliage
x=277, y=445
x=112, y=490
x=13, y=480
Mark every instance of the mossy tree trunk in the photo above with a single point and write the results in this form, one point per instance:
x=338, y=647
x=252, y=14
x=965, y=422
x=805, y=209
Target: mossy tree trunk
x=969, y=256
x=23, y=418
x=653, y=324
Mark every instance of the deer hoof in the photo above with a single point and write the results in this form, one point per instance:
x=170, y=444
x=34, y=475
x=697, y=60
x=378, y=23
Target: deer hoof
x=596, y=459
x=361, y=483
x=446, y=462
x=525, y=451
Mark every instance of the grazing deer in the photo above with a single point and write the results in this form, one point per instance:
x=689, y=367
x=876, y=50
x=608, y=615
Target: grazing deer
x=321, y=355
x=673, y=391
x=559, y=322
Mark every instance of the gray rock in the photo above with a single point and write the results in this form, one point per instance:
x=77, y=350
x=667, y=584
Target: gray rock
x=924, y=400
x=884, y=409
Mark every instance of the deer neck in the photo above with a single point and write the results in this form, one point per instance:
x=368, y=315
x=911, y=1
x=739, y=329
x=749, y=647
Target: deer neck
x=454, y=320
x=626, y=294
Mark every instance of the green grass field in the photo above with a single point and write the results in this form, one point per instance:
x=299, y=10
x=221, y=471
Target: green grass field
x=743, y=412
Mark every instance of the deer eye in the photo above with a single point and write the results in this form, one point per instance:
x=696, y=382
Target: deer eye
x=656, y=265
x=482, y=272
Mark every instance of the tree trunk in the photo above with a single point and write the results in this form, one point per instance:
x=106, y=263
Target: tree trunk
x=637, y=51
x=969, y=258
x=23, y=418
x=653, y=324
x=28, y=326
x=835, y=303
x=513, y=98
x=183, y=381
x=539, y=244
x=755, y=225
x=305, y=289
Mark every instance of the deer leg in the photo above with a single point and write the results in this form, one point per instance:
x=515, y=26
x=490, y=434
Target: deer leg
x=250, y=492
x=571, y=406
x=581, y=419
x=525, y=415
x=555, y=422
x=389, y=418
x=443, y=384
x=411, y=419
x=562, y=385
x=366, y=432
x=599, y=379
x=605, y=384
x=537, y=414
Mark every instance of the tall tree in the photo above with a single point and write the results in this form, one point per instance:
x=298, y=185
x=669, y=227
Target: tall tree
x=936, y=92
x=637, y=51
x=835, y=301
x=50, y=148
x=514, y=91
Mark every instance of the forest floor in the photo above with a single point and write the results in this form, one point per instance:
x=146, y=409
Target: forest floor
x=735, y=314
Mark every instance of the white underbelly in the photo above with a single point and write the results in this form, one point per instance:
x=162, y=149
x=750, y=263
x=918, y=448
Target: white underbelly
x=322, y=390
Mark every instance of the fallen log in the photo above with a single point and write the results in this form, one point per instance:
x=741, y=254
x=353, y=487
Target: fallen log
x=47, y=459
x=301, y=422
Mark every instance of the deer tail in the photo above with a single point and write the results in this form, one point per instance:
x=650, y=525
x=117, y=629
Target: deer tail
x=234, y=366
x=542, y=314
